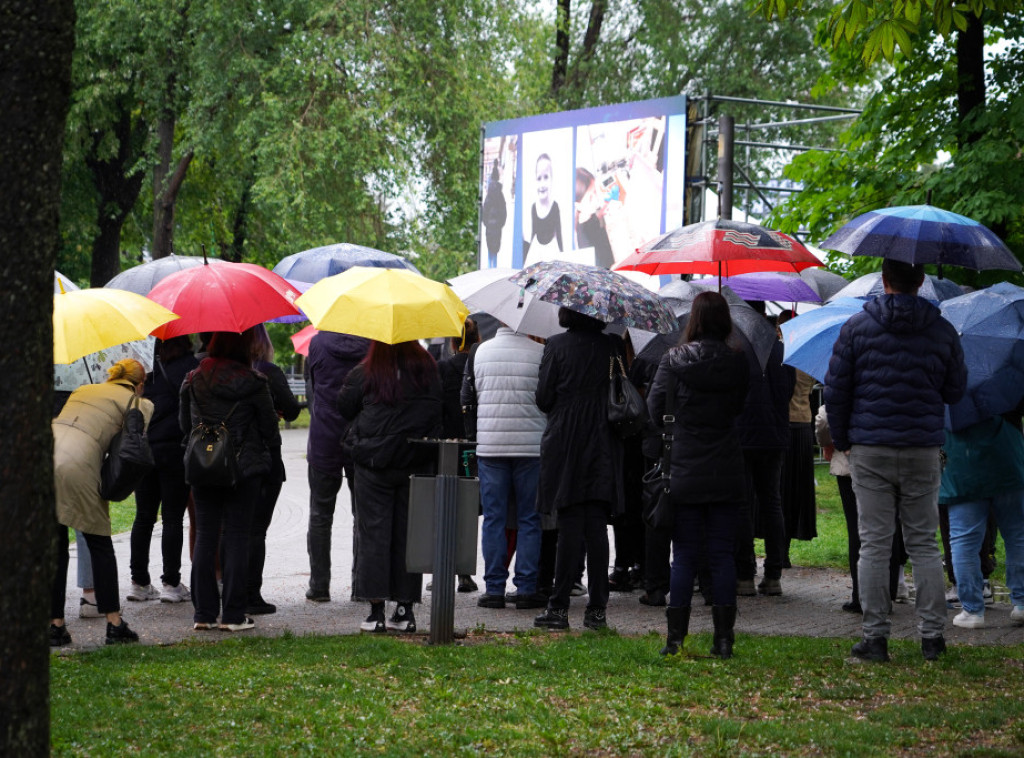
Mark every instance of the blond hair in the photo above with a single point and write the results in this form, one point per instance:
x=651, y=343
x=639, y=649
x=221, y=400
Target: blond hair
x=127, y=370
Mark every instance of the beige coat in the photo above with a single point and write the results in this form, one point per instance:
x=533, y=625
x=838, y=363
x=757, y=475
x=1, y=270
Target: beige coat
x=81, y=436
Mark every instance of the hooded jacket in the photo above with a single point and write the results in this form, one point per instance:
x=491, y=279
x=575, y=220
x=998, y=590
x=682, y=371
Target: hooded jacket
x=894, y=366
x=711, y=387
x=331, y=357
x=220, y=384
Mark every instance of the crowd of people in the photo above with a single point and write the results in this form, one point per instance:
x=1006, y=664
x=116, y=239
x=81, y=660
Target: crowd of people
x=553, y=474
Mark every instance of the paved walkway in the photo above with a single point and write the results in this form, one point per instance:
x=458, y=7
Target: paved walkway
x=809, y=606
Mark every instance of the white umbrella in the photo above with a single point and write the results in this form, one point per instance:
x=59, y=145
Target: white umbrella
x=490, y=290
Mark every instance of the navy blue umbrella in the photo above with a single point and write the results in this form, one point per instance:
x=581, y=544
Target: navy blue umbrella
x=870, y=285
x=991, y=327
x=311, y=266
x=923, y=234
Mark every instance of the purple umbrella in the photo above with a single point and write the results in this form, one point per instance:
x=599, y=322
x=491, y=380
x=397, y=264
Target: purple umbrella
x=778, y=286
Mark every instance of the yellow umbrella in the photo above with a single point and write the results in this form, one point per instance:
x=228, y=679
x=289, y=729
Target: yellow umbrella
x=85, y=321
x=384, y=304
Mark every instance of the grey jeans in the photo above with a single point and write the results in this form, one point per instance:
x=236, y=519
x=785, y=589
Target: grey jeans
x=905, y=481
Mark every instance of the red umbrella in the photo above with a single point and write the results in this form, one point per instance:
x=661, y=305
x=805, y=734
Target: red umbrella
x=227, y=297
x=302, y=338
x=720, y=247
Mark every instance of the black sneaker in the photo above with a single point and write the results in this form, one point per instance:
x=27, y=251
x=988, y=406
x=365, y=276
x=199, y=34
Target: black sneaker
x=852, y=607
x=374, y=623
x=59, y=636
x=260, y=607
x=872, y=649
x=619, y=581
x=553, y=618
x=594, y=618
x=402, y=619
x=318, y=596
x=933, y=647
x=654, y=598
x=466, y=584
x=491, y=601
x=525, y=602
x=119, y=634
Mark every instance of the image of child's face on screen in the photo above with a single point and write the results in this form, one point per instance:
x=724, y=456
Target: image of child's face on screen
x=543, y=181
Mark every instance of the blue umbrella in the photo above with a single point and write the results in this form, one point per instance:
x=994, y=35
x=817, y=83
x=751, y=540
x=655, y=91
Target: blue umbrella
x=870, y=285
x=311, y=266
x=923, y=234
x=991, y=327
x=809, y=337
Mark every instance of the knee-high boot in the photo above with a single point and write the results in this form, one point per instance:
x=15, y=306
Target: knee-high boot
x=724, y=617
x=678, y=625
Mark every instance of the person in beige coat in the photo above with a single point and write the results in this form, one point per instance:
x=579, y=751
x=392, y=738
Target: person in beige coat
x=81, y=435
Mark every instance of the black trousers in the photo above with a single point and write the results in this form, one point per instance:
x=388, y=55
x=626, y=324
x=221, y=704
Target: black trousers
x=162, y=490
x=262, y=515
x=104, y=573
x=582, y=526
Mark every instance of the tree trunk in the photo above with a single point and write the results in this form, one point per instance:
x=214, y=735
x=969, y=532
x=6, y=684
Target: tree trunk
x=970, y=70
x=165, y=191
x=117, y=192
x=35, y=85
x=240, y=228
x=561, y=47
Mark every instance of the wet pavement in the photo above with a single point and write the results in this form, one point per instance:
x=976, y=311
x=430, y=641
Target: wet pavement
x=810, y=605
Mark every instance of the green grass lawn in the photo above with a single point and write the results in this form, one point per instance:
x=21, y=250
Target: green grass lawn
x=534, y=695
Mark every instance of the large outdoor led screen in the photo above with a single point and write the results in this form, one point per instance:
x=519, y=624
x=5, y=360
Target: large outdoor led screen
x=588, y=185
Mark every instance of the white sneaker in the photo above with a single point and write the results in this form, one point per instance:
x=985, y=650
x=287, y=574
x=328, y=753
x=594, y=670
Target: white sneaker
x=138, y=593
x=952, y=598
x=579, y=589
x=902, y=593
x=986, y=592
x=1017, y=615
x=968, y=620
x=178, y=594
x=87, y=609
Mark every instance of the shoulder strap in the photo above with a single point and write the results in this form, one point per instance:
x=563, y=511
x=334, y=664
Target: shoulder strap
x=668, y=420
x=195, y=399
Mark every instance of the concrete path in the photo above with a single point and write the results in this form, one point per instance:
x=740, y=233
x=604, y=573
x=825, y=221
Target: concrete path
x=809, y=606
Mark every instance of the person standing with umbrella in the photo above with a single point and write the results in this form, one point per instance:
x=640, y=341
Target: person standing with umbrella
x=894, y=367
x=225, y=388
x=580, y=462
x=393, y=395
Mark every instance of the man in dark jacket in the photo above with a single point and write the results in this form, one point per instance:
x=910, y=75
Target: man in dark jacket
x=331, y=357
x=893, y=368
x=764, y=436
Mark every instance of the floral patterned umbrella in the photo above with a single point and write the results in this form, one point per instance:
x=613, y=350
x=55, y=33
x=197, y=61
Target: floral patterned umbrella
x=599, y=293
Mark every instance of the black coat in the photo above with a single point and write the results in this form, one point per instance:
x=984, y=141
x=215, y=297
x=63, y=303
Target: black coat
x=580, y=456
x=163, y=387
x=285, y=405
x=711, y=385
x=452, y=370
x=378, y=435
x=331, y=357
x=219, y=385
x=764, y=423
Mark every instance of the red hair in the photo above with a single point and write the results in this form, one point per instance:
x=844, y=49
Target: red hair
x=389, y=367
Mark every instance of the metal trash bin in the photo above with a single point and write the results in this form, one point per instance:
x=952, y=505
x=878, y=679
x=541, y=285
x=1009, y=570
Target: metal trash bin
x=419, y=552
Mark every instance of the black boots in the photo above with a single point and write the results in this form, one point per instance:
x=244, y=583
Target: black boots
x=724, y=617
x=678, y=625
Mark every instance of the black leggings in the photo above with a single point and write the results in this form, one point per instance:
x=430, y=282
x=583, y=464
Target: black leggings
x=104, y=573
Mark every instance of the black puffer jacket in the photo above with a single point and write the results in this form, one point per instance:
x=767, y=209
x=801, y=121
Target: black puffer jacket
x=711, y=386
x=378, y=435
x=218, y=384
x=163, y=386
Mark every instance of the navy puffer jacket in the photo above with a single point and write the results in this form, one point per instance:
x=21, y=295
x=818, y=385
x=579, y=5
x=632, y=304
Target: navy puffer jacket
x=893, y=368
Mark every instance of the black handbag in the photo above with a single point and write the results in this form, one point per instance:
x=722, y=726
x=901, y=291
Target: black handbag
x=129, y=457
x=210, y=459
x=627, y=411
x=658, y=511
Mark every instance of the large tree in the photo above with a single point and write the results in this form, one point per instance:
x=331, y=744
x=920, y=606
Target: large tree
x=35, y=71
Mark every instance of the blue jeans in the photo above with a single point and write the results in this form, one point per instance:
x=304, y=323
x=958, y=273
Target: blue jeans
x=967, y=522
x=903, y=481
x=501, y=478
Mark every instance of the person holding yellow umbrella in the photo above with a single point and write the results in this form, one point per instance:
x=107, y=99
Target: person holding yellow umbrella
x=392, y=395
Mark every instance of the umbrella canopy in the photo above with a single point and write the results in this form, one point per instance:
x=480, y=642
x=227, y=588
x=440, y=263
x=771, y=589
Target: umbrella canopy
x=143, y=278
x=384, y=304
x=991, y=327
x=826, y=283
x=870, y=285
x=751, y=330
x=923, y=234
x=809, y=337
x=491, y=290
x=778, y=286
x=62, y=284
x=302, y=338
x=599, y=293
x=721, y=248
x=223, y=297
x=318, y=263
x=89, y=320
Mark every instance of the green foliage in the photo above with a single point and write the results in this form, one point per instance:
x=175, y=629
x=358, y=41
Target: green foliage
x=533, y=695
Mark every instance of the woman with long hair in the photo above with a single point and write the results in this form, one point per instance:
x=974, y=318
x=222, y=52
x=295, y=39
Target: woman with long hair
x=393, y=395
x=709, y=381
x=225, y=388
x=82, y=432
